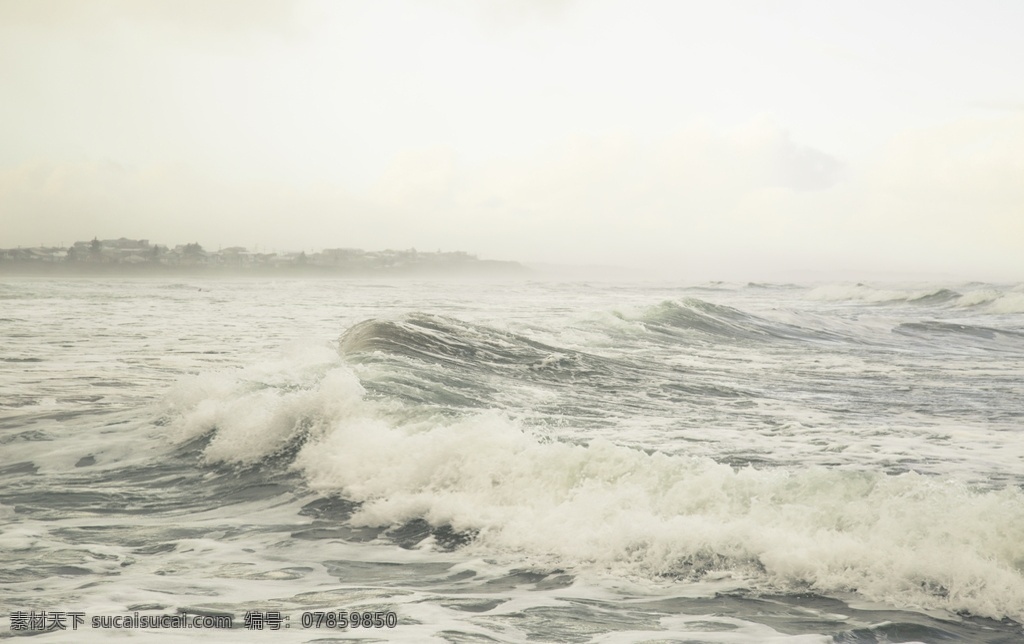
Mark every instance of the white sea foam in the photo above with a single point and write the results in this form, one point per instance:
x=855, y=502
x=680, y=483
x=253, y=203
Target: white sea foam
x=254, y=419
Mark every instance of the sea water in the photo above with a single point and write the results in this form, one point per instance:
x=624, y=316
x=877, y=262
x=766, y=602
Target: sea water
x=510, y=462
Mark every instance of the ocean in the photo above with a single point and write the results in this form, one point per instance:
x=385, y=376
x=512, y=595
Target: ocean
x=445, y=461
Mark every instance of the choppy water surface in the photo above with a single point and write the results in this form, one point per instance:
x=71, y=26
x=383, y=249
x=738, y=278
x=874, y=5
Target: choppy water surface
x=560, y=462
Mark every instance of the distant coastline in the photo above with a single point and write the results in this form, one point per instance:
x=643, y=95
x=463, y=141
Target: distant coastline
x=138, y=257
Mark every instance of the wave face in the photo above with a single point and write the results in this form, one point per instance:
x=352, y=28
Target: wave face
x=448, y=341
x=756, y=463
x=723, y=322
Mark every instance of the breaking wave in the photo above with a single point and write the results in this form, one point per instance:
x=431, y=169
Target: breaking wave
x=993, y=301
x=515, y=491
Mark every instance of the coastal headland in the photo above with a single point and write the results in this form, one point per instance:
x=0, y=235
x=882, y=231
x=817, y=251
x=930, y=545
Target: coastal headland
x=139, y=257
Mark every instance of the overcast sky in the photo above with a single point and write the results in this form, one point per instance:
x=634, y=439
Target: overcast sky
x=701, y=138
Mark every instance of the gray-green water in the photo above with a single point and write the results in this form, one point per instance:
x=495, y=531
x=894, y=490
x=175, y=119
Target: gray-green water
x=563, y=462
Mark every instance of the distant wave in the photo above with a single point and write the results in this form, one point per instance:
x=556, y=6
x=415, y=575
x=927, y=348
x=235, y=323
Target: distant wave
x=963, y=330
x=940, y=296
x=989, y=300
x=870, y=294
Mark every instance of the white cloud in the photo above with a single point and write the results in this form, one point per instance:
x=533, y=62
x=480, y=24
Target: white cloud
x=957, y=189
x=417, y=180
x=214, y=20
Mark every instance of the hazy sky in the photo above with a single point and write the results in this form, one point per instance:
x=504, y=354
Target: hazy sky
x=705, y=138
